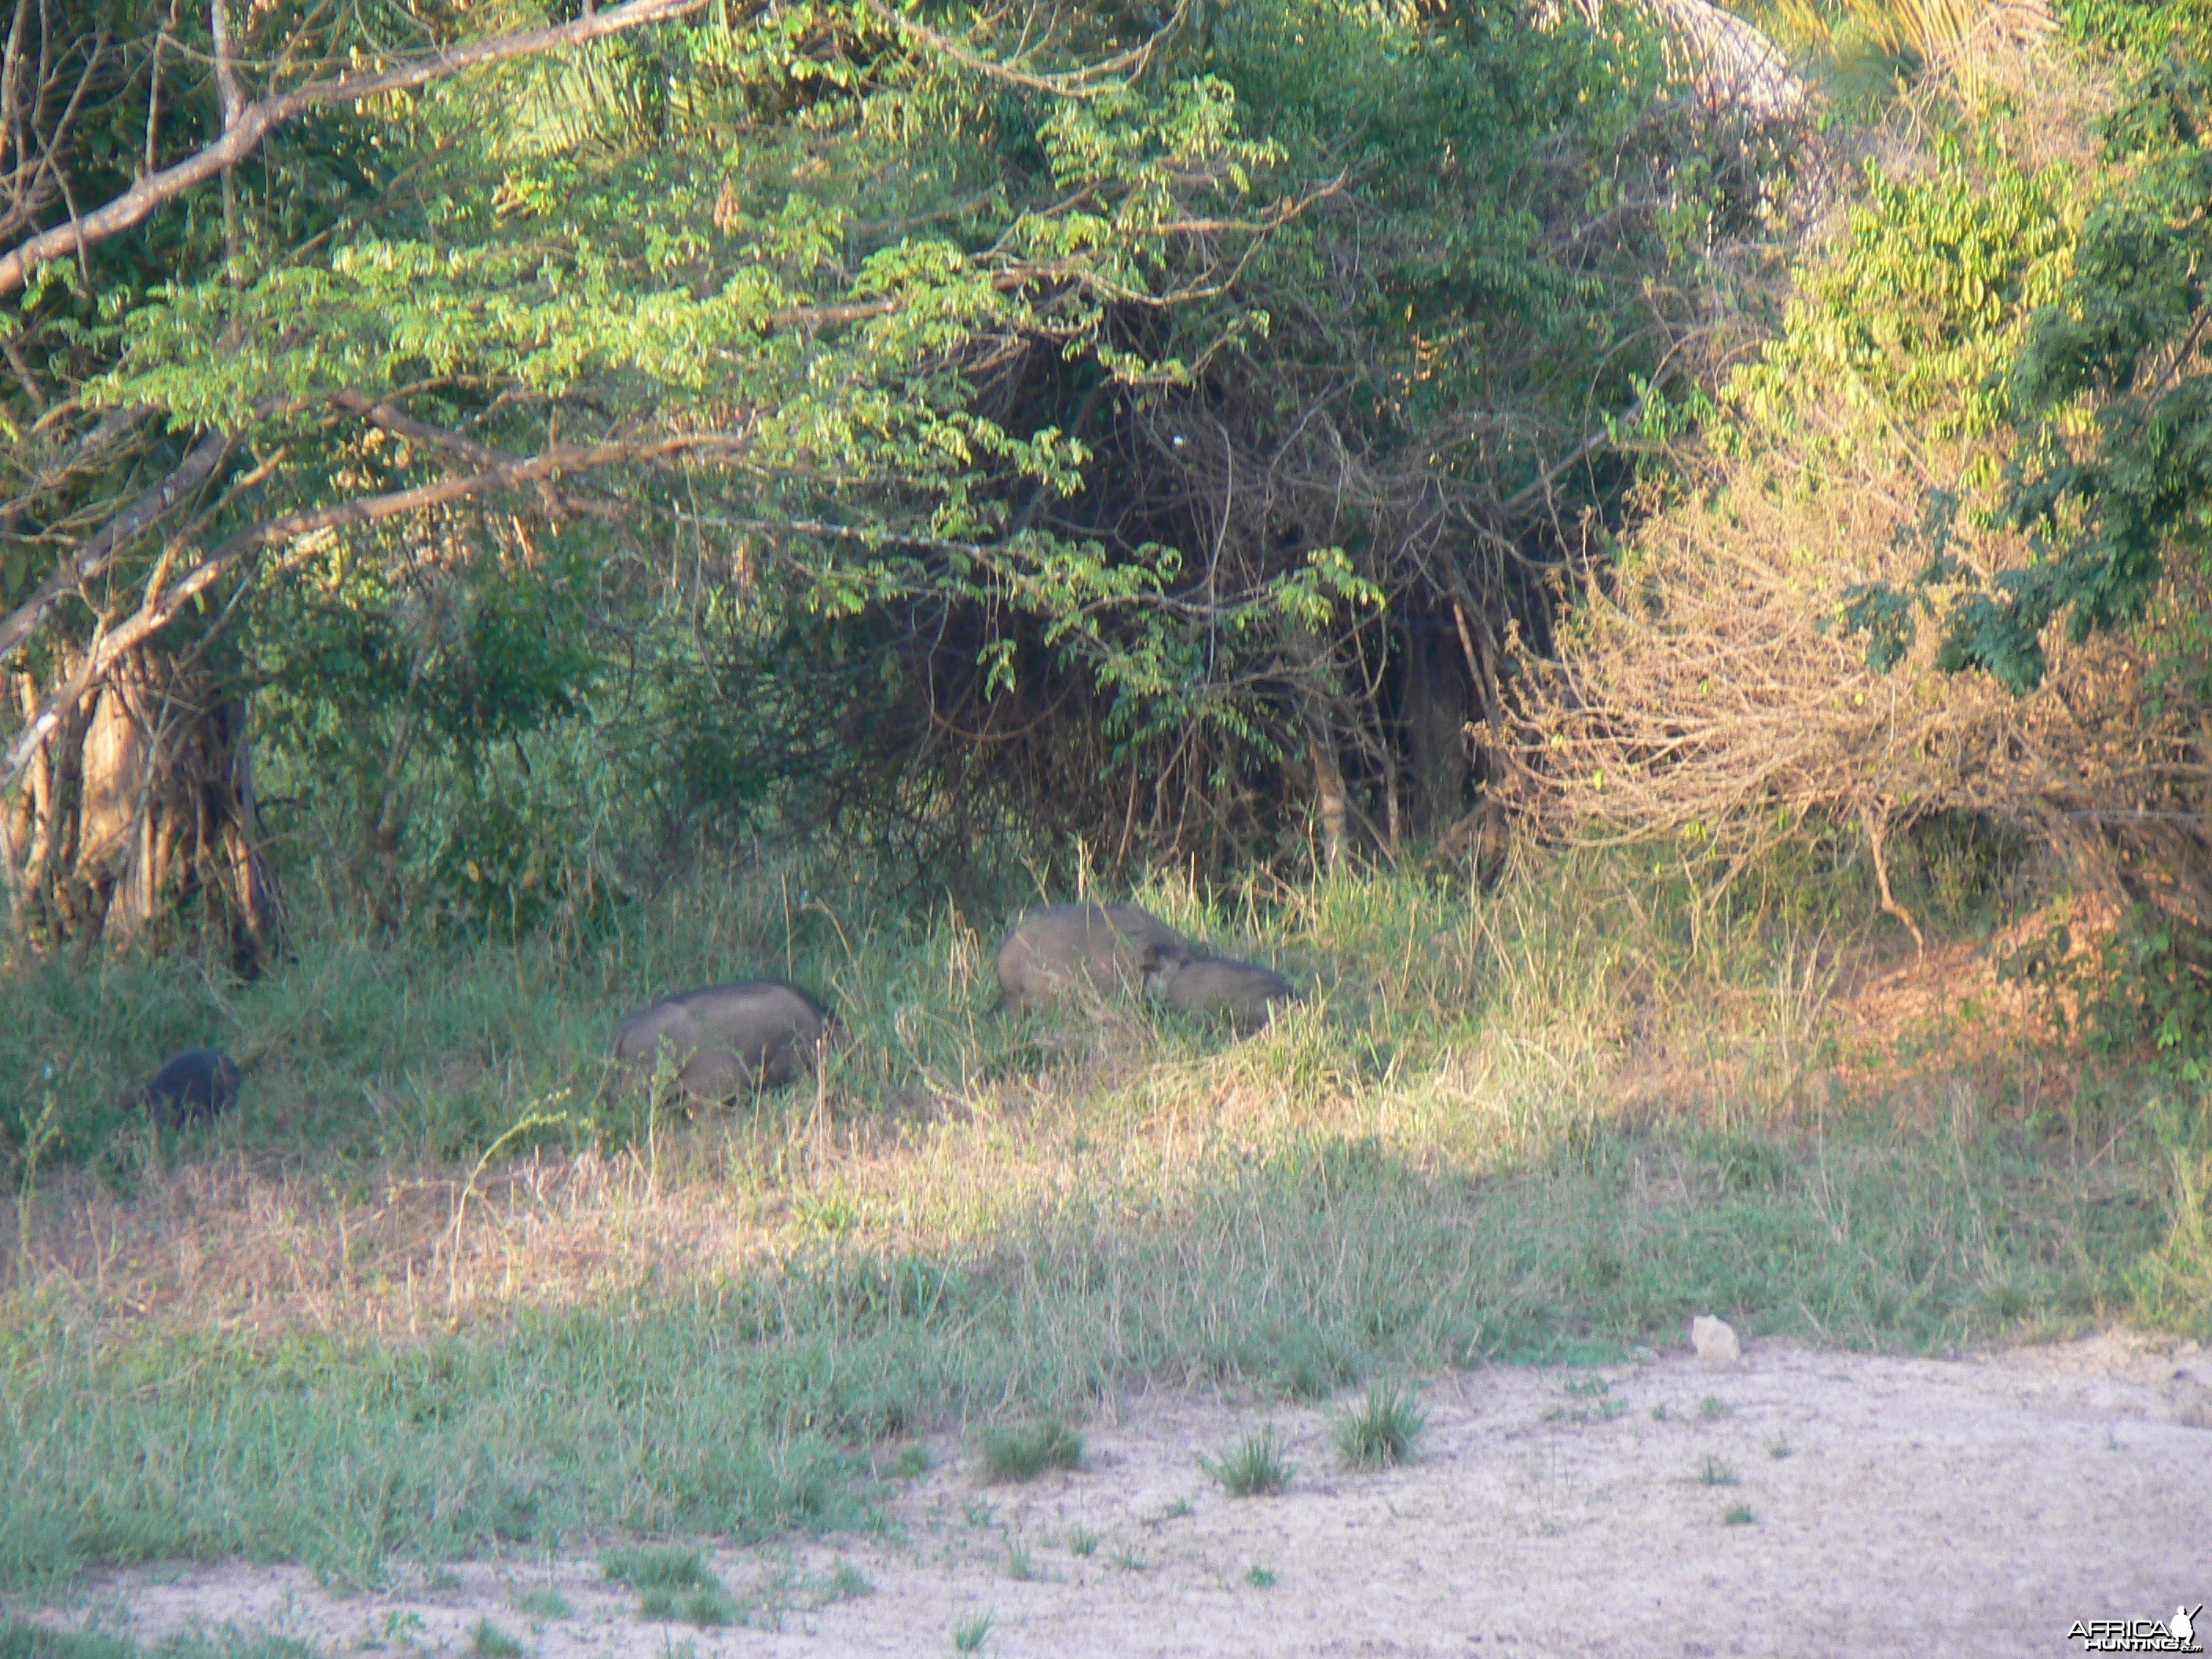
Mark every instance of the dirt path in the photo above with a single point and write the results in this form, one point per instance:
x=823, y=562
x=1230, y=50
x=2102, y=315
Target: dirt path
x=1899, y=1507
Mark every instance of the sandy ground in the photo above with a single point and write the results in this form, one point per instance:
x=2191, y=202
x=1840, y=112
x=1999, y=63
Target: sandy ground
x=1978, y=1505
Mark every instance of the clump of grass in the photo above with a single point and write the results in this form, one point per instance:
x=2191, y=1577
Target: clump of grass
x=1021, y=1565
x=544, y=1602
x=979, y=1514
x=671, y=1583
x=1382, y=1430
x=1779, y=1448
x=1260, y=1577
x=1712, y=1407
x=488, y=1641
x=1024, y=1451
x=710, y=1607
x=970, y=1633
x=1740, y=1515
x=1129, y=1561
x=22, y=1640
x=912, y=1462
x=1253, y=1467
x=1714, y=1472
x=847, y=1584
x=1082, y=1542
x=663, y=1568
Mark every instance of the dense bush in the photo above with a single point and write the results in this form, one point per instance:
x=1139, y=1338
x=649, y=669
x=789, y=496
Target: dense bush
x=918, y=433
x=1918, y=566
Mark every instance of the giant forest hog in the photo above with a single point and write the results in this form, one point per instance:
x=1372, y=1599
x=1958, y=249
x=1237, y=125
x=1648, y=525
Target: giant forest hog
x=1105, y=947
x=199, y=1082
x=1241, y=992
x=725, y=1039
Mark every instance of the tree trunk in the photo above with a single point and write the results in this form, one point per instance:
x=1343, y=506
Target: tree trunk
x=1315, y=693
x=138, y=803
x=1435, y=720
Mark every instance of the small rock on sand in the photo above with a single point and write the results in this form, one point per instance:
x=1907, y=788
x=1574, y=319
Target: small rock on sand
x=1715, y=1339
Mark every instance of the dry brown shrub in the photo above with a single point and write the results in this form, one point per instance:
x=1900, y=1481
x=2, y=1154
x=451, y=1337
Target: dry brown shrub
x=1708, y=693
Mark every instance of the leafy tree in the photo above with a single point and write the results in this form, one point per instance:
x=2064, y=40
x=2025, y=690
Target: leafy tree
x=1191, y=407
x=2114, y=387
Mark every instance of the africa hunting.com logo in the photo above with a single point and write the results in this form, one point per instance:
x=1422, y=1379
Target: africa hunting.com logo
x=2174, y=1635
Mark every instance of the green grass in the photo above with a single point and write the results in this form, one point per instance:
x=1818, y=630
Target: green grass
x=1082, y=1542
x=1253, y=1467
x=1420, y=1170
x=971, y=1632
x=735, y=1415
x=710, y=1606
x=21, y=1639
x=1024, y=1451
x=1383, y=1429
x=1715, y=1472
x=544, y=1602
x=1740, y=1515
x=28, y=1641
x=673, y=1584
x=488, y=1641
x=657, y=1568
x=1260, y=1577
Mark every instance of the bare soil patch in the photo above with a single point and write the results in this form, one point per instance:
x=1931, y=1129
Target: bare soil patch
x=1979, y=1504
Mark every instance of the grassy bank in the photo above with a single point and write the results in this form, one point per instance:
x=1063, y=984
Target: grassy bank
x=372, y=1319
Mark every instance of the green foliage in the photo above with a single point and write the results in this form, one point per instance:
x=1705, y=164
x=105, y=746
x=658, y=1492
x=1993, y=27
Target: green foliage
x=1926, y=298
x=891, y=361
x=2140, y=987
x=2073, y=311
x=2125, y=345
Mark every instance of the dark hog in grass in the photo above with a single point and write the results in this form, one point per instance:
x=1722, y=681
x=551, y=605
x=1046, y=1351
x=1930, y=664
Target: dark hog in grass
x=196, y=1084
x=725, y=1040
x=1244, y=994
x=1100, y=947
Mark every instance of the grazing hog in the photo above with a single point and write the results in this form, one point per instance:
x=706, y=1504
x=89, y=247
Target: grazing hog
x=199, y=1082
x=724, y=1039
x=1241, y=992
x=1106, y=947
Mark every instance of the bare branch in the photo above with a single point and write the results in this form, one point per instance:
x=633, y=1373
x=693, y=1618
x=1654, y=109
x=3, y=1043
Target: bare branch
x=258, y=119
x=162, y=609
x=89, y=561
x=226, y=70
x=1087, y=82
